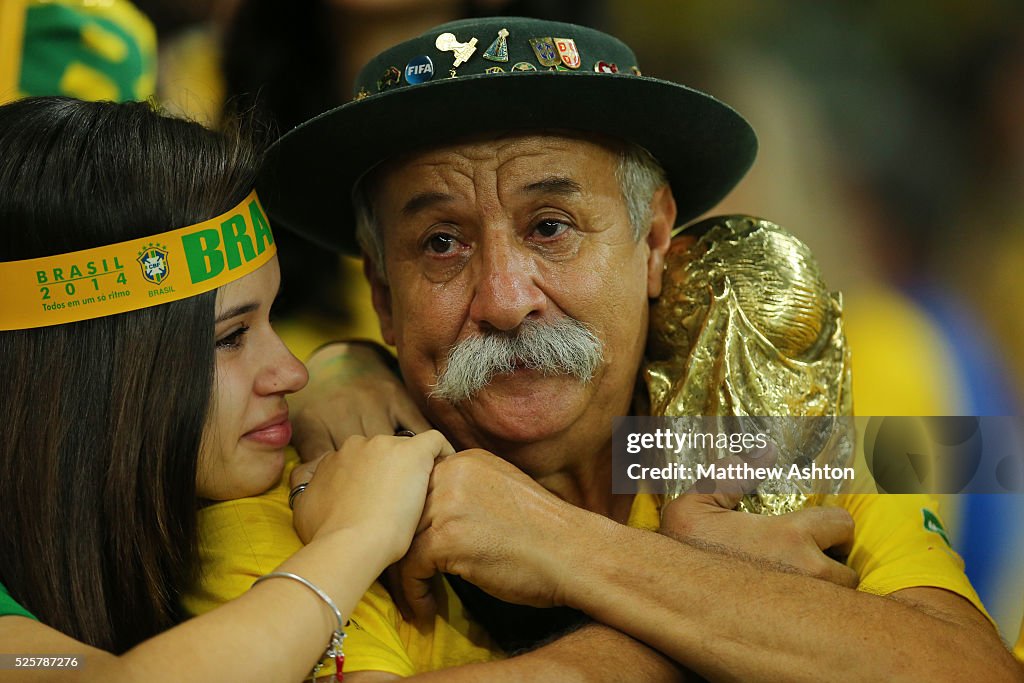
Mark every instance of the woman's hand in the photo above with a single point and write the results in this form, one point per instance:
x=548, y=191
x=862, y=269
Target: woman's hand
x=374, y=485
x=351, y=390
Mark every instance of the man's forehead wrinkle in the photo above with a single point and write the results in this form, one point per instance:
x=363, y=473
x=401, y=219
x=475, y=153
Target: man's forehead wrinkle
x=521, y=147
x=493, y=170
x=463, y=157
x=427, y=182
x=434, y=167
x=510, y=144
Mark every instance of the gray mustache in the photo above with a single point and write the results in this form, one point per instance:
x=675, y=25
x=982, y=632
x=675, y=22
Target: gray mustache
x=564, y=347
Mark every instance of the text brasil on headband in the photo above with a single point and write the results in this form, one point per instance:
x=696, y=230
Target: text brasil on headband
x=137, y=273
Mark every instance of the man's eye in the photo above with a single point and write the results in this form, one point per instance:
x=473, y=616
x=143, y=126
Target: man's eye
x=550, y=228
x=441, y=243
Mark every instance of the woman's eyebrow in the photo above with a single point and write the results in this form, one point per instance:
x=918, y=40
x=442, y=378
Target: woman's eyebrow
x=237, y=310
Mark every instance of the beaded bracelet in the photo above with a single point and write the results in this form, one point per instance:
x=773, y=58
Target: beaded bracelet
x=335, y=649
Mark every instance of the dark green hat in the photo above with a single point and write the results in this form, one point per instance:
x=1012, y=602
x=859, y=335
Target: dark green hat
x=499, y=74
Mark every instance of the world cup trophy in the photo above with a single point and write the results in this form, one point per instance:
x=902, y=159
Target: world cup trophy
x=745, y=332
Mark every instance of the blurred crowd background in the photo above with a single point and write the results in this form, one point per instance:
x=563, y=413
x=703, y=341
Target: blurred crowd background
x=891, y=142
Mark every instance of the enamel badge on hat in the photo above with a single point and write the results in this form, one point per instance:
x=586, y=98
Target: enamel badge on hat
x=498, y=51
x=567, y=51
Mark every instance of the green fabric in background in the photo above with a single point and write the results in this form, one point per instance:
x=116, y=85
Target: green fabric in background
x=96, y=52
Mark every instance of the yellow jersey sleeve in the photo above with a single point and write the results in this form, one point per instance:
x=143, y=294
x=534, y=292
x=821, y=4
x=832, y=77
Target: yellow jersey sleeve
x=899, y=542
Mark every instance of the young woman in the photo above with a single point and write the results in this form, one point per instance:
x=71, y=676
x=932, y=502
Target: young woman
x=142, y=378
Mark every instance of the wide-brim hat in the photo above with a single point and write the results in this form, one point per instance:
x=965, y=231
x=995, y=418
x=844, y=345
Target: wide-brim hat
x=499, y=74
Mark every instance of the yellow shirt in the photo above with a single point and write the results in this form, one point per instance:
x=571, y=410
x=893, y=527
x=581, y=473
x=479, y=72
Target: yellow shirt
x=899, y=543
x=1018, y=649
x=240, y=540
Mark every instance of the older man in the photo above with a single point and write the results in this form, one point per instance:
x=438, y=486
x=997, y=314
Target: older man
x=514, y=183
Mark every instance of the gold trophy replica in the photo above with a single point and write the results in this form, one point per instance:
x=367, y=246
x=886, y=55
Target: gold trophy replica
x=745, y=328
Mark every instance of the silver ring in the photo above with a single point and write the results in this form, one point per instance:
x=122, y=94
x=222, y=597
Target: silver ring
x=295, y=494
x=405, y=432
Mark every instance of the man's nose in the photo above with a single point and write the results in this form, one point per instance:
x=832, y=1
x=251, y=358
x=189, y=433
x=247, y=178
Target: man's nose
x=506, y=290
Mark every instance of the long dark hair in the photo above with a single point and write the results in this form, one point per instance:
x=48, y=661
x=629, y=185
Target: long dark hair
x=102, y=419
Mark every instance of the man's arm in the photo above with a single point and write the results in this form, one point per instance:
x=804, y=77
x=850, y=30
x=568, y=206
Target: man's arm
x=592, y=653
x=720, y=614
x=731, y=619
x=353, y=389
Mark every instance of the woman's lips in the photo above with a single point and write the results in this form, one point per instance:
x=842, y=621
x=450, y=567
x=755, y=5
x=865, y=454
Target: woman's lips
x=276, y=435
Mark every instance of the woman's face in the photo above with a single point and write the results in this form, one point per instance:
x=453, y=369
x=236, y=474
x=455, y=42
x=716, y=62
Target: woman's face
x=248, y=429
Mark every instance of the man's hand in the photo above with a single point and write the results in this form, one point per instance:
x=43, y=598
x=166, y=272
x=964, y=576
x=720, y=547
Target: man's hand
x=792, y=542
x=351, y=391
x=489, y=523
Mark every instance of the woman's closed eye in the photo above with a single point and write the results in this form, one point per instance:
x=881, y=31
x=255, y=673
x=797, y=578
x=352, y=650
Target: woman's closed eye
x=233, y=339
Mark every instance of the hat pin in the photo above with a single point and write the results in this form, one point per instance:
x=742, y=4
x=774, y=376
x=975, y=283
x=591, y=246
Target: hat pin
x=462, y=51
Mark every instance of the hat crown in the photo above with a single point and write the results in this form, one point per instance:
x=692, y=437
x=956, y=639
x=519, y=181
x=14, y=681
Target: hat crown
x=492, y=47
x=500, y=74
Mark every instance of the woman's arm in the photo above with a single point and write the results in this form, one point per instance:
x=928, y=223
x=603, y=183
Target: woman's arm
x=356, y=525
x=275, y=632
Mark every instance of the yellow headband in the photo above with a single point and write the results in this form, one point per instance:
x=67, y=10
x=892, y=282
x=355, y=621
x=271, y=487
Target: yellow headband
x=139, y=273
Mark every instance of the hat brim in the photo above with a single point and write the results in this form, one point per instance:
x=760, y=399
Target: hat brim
x=704, y=146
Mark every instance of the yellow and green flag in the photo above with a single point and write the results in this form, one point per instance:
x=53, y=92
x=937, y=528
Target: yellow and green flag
x=89, y=49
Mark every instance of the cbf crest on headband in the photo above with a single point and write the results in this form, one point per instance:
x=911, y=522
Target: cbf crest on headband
x=138, y=273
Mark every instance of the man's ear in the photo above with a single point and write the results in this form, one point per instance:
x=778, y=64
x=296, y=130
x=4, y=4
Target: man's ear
x=381, y=299
x=659, y=237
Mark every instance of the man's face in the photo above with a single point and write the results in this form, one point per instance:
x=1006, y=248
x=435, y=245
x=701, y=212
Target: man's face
x=482, y=236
